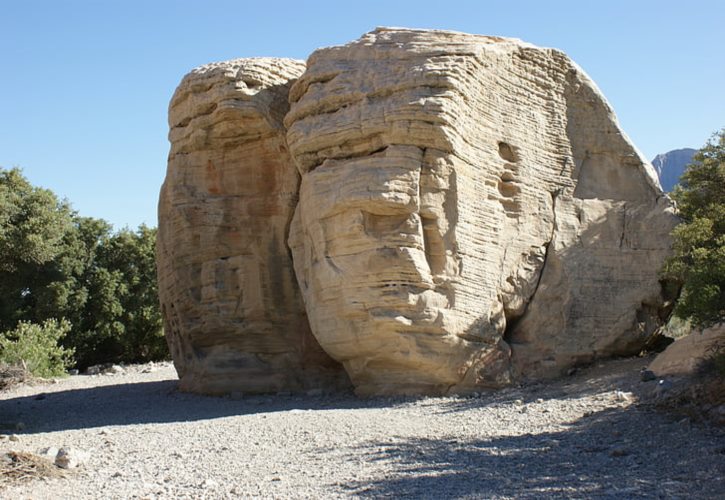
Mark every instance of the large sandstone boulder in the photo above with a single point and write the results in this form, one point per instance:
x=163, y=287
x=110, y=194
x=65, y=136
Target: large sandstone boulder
x=469, y=214
x=233, y=314
x=469, y=211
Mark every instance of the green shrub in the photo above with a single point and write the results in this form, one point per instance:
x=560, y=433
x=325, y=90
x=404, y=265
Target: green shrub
x=121, y=320
x=698, y=264
x=36, y=348
x=57, y=264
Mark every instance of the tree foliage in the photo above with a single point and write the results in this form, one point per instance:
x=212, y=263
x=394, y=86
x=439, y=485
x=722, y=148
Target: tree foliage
x=699, y=242
x=55, y=264
x=121, y=320
x=34, y=226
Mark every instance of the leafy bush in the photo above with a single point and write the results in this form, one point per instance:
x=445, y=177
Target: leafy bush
x=57, y=264
x=34, y=277
x=699, y=242
x=121, y=321
x=36, y=348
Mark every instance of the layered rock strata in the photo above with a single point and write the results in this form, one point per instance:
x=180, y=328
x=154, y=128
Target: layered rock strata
x=469, y=213
x=463, y=196
x=233, y=314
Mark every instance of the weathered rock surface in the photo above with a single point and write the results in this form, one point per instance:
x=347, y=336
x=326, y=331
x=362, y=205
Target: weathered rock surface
x=233, y=315
x=469, y=213
x=463, y=196
x=687, y=354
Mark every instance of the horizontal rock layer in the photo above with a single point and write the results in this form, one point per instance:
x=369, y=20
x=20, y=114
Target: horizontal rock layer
x=469, y=211
x=469, y=214
x=233, y=314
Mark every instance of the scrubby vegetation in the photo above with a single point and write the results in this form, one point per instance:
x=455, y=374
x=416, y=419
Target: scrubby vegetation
x=36, y=348
x=699, y=242
x=72, y=291
x=698, y=264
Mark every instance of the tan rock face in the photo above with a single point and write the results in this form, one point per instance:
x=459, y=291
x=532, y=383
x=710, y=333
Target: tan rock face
x=469, y=214
x=686, y=355
x=463, y=197
x=233, y=314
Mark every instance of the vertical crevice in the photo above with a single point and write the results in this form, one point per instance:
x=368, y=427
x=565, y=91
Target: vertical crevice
x=433, y=244
x=513, y=321
x=434, y=247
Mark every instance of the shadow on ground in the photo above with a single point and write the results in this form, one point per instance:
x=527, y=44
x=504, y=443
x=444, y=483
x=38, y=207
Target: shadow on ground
x=141, y=403
x=621, y=452
x=161, y=402
x=618, y=453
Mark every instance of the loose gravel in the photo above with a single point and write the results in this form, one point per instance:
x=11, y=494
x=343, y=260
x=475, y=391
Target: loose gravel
x=585, y=436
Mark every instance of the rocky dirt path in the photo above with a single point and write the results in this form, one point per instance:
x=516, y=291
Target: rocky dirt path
x=581, y=437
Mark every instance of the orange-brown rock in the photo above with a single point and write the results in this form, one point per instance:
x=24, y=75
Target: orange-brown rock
x=233, y=314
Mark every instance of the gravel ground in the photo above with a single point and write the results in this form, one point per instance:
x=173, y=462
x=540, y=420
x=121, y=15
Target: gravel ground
x=585, y=436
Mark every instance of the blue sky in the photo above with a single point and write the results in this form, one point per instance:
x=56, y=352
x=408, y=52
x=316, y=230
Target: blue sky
x=85, y=85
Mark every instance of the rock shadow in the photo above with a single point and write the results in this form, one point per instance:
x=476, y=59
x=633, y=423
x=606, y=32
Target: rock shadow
x=162, y=402
x=142, y=403
x=616, y=453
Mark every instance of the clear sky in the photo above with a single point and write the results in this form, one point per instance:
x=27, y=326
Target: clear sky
x=85, y=85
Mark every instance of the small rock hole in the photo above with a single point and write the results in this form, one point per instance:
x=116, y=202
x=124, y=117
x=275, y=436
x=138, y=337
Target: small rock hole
x=506, y=152
x=508, y=189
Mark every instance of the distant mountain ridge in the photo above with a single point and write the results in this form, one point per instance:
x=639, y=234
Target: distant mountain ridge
x=671, y=165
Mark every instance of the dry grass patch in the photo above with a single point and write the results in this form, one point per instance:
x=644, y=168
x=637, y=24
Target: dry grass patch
x=12, y=375
x=19, y=466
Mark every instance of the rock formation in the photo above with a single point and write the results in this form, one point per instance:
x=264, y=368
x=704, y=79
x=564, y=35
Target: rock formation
x=469, y=213
x=233, y=314
x=671, y=165
x=687, y=355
